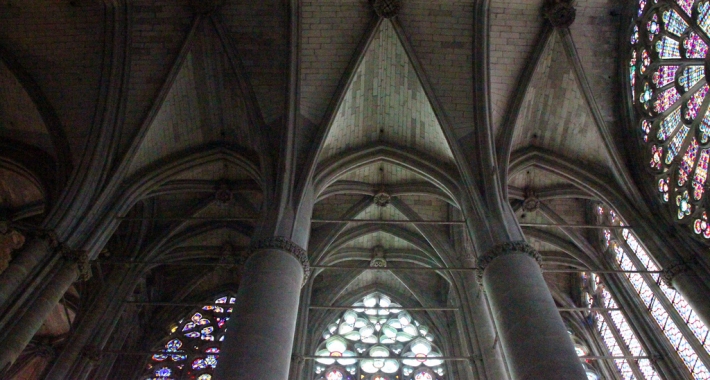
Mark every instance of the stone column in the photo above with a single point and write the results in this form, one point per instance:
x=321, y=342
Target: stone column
x=533, y=336
x=261, y=330
x=74, y=265
x=74, y=358
x=682, y=278
x=9, y=241
x=34, y=251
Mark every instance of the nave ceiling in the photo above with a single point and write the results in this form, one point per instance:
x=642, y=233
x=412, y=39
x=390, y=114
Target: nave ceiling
x=161, y=130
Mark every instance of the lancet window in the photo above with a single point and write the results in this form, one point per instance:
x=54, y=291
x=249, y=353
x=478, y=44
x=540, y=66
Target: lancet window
x=668, y=85
x=191, y=351
x=375, y=340
x=679, y=323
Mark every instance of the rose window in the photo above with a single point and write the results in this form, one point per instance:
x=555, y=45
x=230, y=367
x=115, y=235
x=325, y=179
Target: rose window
x=667, y=66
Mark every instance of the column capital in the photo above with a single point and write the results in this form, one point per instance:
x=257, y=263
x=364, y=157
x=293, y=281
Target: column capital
x=508, y=248
x=80, y=257
x=673, y=270
x=282, y=244
x=10, y=240
x=49, y=235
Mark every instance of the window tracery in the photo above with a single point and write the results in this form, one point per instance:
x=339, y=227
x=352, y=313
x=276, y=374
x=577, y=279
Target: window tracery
x=679, y=323
x=388, y=341
x=669, y=88
x=191, y=351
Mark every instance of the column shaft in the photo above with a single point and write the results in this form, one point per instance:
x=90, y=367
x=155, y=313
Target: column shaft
x=695, y=293
x=261, y=330
x=35, y=250
x=93, y=323
x=533, y=336
x=22, y=332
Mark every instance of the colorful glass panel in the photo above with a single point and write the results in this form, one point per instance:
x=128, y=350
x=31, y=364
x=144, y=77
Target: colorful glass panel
x=635, y=35
x=694, y=46
x=669, y=125
x=656, y=153
x=663, y=188
x=653, y=28
x=193, y=344
x=693, y=105
x=668, y=48
x=645, y=61
x=687, y=6
x=646, y=128
x=675, y=144
x=334, y=375
x=632, y=256
x=687, y=163
x=704, y=16
x=389, y=340
x=701, y=175
x=674, y=23
x=690, y=76
x=664, y=75
x=666, y=99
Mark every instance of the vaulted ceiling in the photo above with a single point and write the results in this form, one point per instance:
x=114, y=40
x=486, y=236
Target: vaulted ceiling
x=383, y=114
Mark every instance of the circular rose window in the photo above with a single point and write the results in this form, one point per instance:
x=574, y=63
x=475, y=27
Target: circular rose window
x=668, y=86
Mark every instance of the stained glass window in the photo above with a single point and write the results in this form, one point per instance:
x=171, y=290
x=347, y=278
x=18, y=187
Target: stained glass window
x=615, y=331
x=395, y=345
x=682, y=327
x=191, y=351
x=669, y=45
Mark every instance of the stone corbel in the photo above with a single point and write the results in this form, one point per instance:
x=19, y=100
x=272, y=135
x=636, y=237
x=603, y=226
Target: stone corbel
x=673, y=270
x=10, y=240
x=509, y=248
x=81, y=258
x=282, y=244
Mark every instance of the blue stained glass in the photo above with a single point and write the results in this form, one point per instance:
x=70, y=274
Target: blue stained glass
x=693, y=105
x=694, y=46
x=642, y=7
x=675, y=144
x=199, y=364
x=211, y=361
x=669, y=124
x=674, y=22
x=635, y=35
x=687, y=163
x=704, y=16
x=666, y=99
x=664, y=75
x=650, y=298
x=164, y=372
x=173, y=345
x=687, y=6
x=205, y=328
x=690, y=76
x=668, y=48
x=653, y=28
